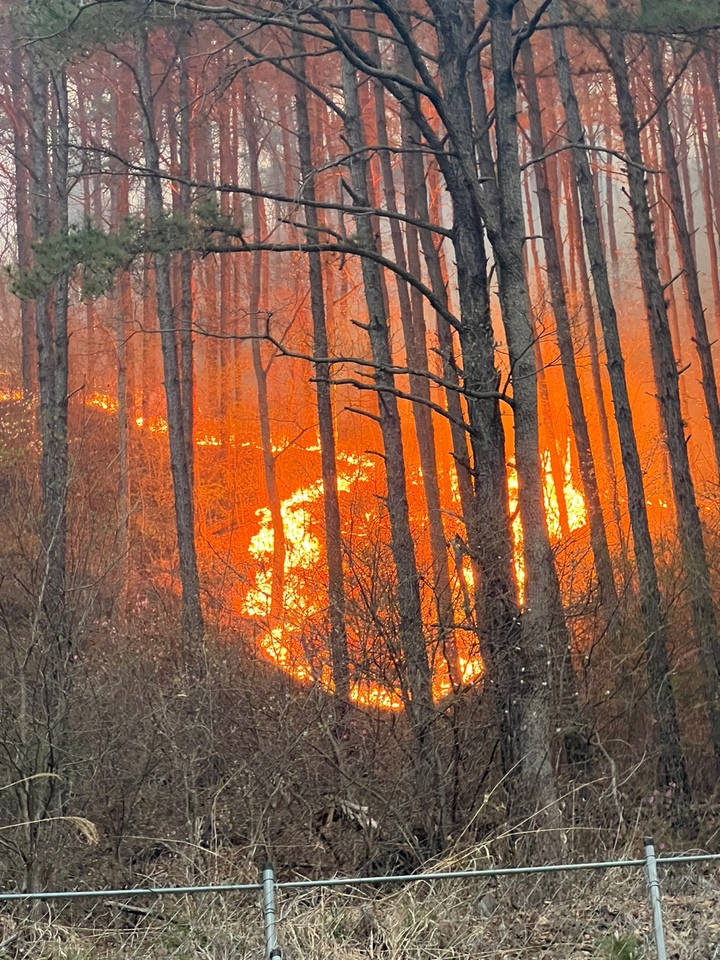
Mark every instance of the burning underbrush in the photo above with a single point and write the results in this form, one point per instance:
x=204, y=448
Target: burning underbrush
x=236, y=543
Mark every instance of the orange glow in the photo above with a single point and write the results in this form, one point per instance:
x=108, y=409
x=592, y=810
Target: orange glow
x=6, y=395
x=298, y=647
x=103, y=402
x=574, y=500
x=293, y=647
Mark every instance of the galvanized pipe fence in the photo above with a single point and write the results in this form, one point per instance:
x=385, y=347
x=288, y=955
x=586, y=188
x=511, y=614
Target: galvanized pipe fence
x=269, y=885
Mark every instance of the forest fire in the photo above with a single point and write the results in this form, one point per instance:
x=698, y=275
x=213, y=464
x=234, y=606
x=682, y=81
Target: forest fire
x=357, y=354
x=297, y=646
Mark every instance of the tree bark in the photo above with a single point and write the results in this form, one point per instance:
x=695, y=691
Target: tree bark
x=18, y=86
x=543, y=618
x=708, y=153
x=257, y=288
x=671, y=767
x=193, y=627
x=598, y=537
x=416, y=679
x=517, y=649
x=666, y=383
x=121, y=210
x=574, y=213
x=326, y=424
x=186, y=337
x=411, y=303
x=555, y=449
x=691, y=283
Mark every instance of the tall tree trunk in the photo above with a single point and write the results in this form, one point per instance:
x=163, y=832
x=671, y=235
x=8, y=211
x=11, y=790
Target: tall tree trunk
x=187, y=345
x=574, y=213
x=18, y=86
x=598, y=538
x=226, y=267
x=612, y=242
x=88, y=189
x=193, y=627
x=415, y=182
x=705, y=175
x=555, y=449
x=683, y=141
x=121, y=210
x=543, y=618
x=411, y=303
x=416, y=679
x=514, y=646
x=704, y=178
x=48, y=184
x=415, y=186
x=656, y=192
x=712, y=65
x=671, y=768
x=326, y=425
x=666, y=383
x=257, y=287
x=691, y=283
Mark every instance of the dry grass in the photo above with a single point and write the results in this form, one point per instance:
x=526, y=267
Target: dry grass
x=552, y=916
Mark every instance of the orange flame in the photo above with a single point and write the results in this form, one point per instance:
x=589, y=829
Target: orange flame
x=291, y=647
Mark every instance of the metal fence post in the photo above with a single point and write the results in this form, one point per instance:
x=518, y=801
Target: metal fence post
x=653, y=883
x=272, y=950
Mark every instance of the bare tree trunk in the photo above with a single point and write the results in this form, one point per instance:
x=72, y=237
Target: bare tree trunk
x=556, y=450
x=704, y=177
x=712, y=227
x=326, y=426
x=691, y=284
x=712, y=65
x=226, y=268
x=416, y=679
x=612, y=243
x=257, y=287
x=18, y=85
x=666, y=382
x=193, y=627
x=671, y=767
x=187, y=346
x=415, y=186
x=47, y=185
x=574, y=213
x=458, y=432
x=598, y=537
x=88, y=188
x=713, y=149
x=411, y=303
x=683, y=142
x=656, y=189
x=121, y=210
x=515, y=649
x=543, y=618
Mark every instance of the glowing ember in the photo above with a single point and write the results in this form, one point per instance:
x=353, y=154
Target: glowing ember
x=10, y=395
x=103, y=402
x=153, y=424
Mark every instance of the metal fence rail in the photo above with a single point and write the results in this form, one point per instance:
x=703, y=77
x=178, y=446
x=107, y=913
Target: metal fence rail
x=215, y=899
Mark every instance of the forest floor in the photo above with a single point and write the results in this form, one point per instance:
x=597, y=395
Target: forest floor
x=553, y=916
